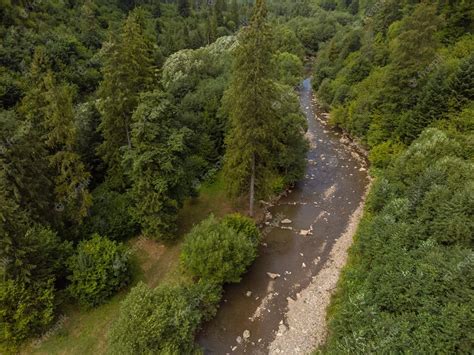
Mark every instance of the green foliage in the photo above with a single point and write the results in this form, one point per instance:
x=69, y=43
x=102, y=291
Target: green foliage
x=249, y=100
x=163, y=320
x=110, y=215
x=25, y=311
x=244, y=225
x=289, y=68
x=98, y=269
x=128, y=70
x=160, y=166
x=72, y=179
x=414, y=245
x=217, y=251
x=382, y=155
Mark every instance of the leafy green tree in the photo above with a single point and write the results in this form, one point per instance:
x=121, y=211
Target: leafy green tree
x=99, y=268
x=25, y=311
x=252, y=120
x=128, y=70
x=158, y=165
x=289, y=69
x=218, y=252
x=162, y=320
x=111, y=215
x=244, y=225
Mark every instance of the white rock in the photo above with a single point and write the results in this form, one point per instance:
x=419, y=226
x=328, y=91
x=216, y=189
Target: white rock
x=286, y=221
x=248, y=294
x=239, y=339
x=246, y=334
x=272, y=275
x=362, y=169
x=304, y=232
x=303, y=265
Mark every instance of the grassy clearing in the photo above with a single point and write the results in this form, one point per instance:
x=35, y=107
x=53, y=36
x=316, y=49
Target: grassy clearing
x=86, y=331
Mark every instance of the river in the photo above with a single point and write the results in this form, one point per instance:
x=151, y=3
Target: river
x=254, y=312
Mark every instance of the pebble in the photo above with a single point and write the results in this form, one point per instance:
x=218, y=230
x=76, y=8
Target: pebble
x=273, y=276
x=239, y=340
x=248, y=294
x=246, y=334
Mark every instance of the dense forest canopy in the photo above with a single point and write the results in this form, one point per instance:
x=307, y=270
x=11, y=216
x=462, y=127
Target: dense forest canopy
x=114, y=112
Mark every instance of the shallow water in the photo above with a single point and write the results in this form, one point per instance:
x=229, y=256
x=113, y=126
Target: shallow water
x=322, y=204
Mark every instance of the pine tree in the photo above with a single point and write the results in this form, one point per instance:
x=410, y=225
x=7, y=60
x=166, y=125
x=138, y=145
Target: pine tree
x=159, y=169
x=128, y=71
x=184, y=8
x=211, y=27
x=248, y=161
x=219, y=7
x=235, y=13
x=71, y=177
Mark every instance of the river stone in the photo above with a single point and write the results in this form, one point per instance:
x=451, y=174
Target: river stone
x=304, y=232
x=249, y=293
x=239, y=340
x=246, y=334
x=286, y=221
x=282, y=328
x=272, y=275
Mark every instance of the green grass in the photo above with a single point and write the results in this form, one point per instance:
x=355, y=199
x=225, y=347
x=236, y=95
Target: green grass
x=85, y=331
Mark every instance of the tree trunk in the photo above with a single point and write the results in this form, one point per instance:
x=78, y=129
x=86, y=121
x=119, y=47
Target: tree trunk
x=252, y=186
x=127, y=131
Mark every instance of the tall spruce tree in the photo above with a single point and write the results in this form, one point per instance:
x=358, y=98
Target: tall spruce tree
x=128, y=70
x=158, y=163
x=250, y=140
x=234, y=9
x=184, y=8
x=71, y=178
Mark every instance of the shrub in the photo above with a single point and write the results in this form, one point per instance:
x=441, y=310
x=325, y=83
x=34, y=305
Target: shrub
x=382, y=155
x=242, y=224
x=162, y=320
x=25, y=310
x=99, y=268
x=215, y=252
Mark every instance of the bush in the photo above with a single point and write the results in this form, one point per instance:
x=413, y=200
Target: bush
x=216, y=252
x=163, y=320
x=242, y=224
x=99, y=268
x=25, y=310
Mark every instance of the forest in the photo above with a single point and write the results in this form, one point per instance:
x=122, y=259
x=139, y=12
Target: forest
x=119, y=117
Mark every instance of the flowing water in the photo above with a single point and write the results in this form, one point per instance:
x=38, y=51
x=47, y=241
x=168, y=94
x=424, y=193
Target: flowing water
x=319, y=208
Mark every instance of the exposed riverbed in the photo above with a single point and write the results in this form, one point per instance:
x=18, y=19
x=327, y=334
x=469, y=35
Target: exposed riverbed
x=279, y=307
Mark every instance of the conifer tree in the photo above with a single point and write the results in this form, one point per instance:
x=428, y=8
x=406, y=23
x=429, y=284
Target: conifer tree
x=128, y=71
x=235, y=13
x=219, y=7
x=71, y=177
x=248, y=161
x=211, y=27
x=158, y=163
x=184, y=8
